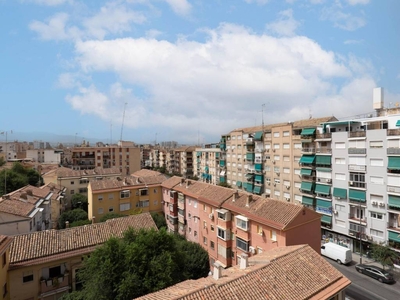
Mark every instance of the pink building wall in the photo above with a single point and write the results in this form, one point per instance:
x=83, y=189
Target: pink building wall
x=193, y=221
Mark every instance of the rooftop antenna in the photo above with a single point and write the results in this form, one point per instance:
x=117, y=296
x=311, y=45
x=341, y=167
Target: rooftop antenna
x=111, y=133
x=123, y=118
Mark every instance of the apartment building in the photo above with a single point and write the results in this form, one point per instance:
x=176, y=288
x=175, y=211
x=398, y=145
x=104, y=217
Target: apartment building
x=125, y=156
x=208, y=166
x=292, y=272
x=228, y=223
x=5, y=243
x=40, y=268
x=138, y=193
x=183, y=161
x=44, y=156
x=76, y=181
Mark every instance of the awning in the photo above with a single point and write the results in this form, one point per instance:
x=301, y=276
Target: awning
x=394, y=236
x=204, y=175
x=307, y=200
x=259, y=178
x=305, y=172
x=357, y=195
x=326, y=219
x=249, y=187
x=323, y=160
x=322, y=189
x=258, y=167
x=257, y=190
x=222, y=163
x=327, y=170
x=238, y=183
x=206, y=169
x=222, y=179
x=394, y=163
x=307, y=159
x=341, y=193
x=394, y=201
x=398, y=123
x=250, y=156
x=258, y=136
x=306, y=186
x=198, y=153
x=249, y=176
x=307, y=131
x=217, y=155
x=324, y=203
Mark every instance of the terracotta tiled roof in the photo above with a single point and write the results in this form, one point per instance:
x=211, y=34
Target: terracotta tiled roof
x=145, y=173
x=293, y=272
x=171, y=182
x=126, y=182
x=215, y=195
x=194, y=189
x=29, y=247
x=63, y=172
x=16, y=207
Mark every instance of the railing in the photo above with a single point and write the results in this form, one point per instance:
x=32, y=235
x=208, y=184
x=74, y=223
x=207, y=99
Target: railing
x=308, y=150
x=393, y=151
x=324, y=180
x=357, y=151
x=393, y=132
x=324, y=150
x=327, y=135
x=357, y=168
x=393, y=189
x=357, y=134
x=358, y=184
x=50, y=284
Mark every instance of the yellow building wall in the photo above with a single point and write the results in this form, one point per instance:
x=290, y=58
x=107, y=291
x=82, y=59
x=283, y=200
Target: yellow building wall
x=4, y=279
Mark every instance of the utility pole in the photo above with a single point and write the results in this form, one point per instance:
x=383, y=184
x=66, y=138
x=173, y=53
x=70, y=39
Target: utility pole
x=123, y=119
x=5, y=169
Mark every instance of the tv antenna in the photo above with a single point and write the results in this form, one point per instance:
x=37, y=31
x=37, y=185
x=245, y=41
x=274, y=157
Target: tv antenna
x=123, y=119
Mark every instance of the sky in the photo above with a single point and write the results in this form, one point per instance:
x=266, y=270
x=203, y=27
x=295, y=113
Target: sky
x=190, y=70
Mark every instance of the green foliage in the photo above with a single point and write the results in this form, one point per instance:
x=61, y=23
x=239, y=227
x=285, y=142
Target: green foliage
x=142, y=262
x=159, y=219
x=72, y=216
x=383, y=254
x=73, y=296
x=224, y=184
x=79, y=201
x=17, y=177
x=2, y=161
x=19, y=168
x=110, y=216
x=80, y=223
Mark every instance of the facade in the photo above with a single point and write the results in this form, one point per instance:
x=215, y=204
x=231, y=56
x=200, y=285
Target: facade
x=228, y=223
x=209, y=168
x=44, y=156
x=292, y=272
x=138, y=193
x=76, y=181
x=5, y=243
x=39, y=268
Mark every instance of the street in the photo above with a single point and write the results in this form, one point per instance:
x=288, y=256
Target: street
x=364, y=287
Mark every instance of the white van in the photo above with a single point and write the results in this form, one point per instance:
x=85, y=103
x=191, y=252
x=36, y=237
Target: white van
x=336, y=252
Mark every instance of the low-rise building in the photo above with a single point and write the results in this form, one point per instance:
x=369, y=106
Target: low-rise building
x=5, y=243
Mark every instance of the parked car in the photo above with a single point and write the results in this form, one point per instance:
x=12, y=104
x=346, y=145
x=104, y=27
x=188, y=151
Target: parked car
x=375, y=272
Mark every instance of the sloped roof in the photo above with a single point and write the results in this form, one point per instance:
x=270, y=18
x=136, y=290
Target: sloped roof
x=171, y=182
x=5, y=241
x=16, y=207
x=145, y=173
x=63, y=172
x=126, y=182
x=26, y=248
x=292, y=272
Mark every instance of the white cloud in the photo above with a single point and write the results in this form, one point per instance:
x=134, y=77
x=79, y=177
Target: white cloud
x=180, y=7
x=356, y=2
x=112, y=18
x=153, y=33
x=353, y=42
x=49, y=2
x=286, y=25
x=259, y=2
x=55, y=28
x=342, y=20
x=220, y=83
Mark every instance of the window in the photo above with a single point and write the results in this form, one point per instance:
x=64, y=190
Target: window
x=357, y=179
x=242, y=244
x=212, y=245
x=376, y=233
x=124, y=206
x=222, y=233
x=4, y=259
x=204, y=208
x=340, y=161
x=375, y=215
x=83, y=181
x=273, y=235
x=340, y=145
x=155, y=191
x=143, y=203
x=286, y=158
x=297, y=145
x=340, y=176
x=100, y=197
x=297, y=171
x=376, y=179
x=55, y=271
x=100, y=211
x=277, y=170
x=259, y=229
x=144, y=192
x=286, y=146
x=222, y=216
x=111, y=209
x=72, y=192
x=155, y=202
x=125, y=194
x=277, y=193
x=297, y=185
x=82, y=190
x=110, y=196
x=276, y=146
x=212, y=227
x=242, y=222
x=204, y=240
x=5, y=291
x=27, y=276
x=276, y=134
x=277, y=157
x=376, y=144
x=72, y=182
x=195, y=233
x=376, y=162
x=286, y=133
x=286, y=170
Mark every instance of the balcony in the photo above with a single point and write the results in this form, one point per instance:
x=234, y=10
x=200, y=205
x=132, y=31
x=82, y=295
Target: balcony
x=393, y=150
x=357, y=134
x=362, y=168
x=357, y=184
x=393, y=189
x=308, y=150
x=249, y=141
x=55, y=284
x=324, y=150
x=357, y=220
x=357, y=151
x=327, y=135
x=391, y=132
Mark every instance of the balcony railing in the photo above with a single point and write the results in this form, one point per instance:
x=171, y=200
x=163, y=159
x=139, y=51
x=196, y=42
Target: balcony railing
x=308, y=150
x=357, y=134
x=51, y=284
x=358, y=184
x=393, y=189
x=393, y=132
x=324, y=150
x=358, y=168
x=393, y=151
x=327, y=135
x=357, y=151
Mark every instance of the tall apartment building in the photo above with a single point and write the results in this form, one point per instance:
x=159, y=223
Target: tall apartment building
x=208, y=167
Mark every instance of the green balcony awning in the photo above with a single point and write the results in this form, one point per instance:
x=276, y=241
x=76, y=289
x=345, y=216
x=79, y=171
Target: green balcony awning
x=394, y=163
x=323, y=160
x=257, y=190
x=326, y=170
x=206, y=169
x=322, y=189
x=250, y=156
x=204, y=175
x=259, y=178
x=305, y=172
x=326, y=219
x=306, y=186
x=249, y=187
x=398, y=123
x=357, y=195
x=324, y=203
x=394, y=236
x=307, y=200
x=222, y=179
x=308, y=131
x=217, y=154
x=394, y=201
x=307, y=159
x=198, y=153
x=222, y=163
x=341, y=193
x=238, y=183
x=249, y=176
x=258, y=167
x=258, y=136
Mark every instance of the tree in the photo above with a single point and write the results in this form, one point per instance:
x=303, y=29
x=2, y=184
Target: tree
x=34, y=178
x=13, y=179
x=71, y=216
x=224, y=184
x=109, y=216
x=2, y=161
x=79, y=201
x=80, y=223
x=383, y=254
x=159, y=219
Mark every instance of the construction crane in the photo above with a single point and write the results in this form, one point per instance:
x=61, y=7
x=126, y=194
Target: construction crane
x=123, y=119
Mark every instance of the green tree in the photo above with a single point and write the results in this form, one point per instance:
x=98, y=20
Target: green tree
x=34, y=177
x=19, y=168
x=224, y=184
x=109, y=216
x=2, y=161
x=71, y=216
x=13, y=179
x=79, y=201
x=159, y=219
x=80, y=223
x=383, y=254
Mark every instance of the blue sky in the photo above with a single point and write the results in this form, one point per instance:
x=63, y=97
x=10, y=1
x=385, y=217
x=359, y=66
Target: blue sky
x=191, y=70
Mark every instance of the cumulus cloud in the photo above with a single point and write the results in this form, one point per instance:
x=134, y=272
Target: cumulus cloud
x=286, y=25
x=259, y=2
x=180, y=7
x=341, y=19
x=49, y=2
x=356, y=2
x=55, y=28
x=187, y=86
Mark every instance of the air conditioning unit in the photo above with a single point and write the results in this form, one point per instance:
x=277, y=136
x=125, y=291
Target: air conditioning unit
x=269, y=183
x=252, y=250
x=351, y=182
x=211, y=216
x=287, y=187
x=274, y=184
x=335, y=212
x=267, y=150
x=287, y=199
x=350, y=233
x=381, y=204
x=374, y=203
x=329, y=181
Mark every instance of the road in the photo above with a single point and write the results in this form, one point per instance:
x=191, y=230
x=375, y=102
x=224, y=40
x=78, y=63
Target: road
x=364, y=287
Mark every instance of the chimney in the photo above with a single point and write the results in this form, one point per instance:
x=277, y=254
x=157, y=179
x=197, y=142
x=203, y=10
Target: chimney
x=93, y=219
x=217, y=274
x=66, y=224
x=29, y=192
x=244, y=261
x=248, y=200
x=188, y=182
x=182, y=181
x=235, y=195
x=23, y=196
